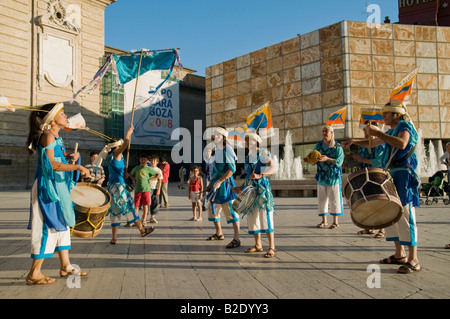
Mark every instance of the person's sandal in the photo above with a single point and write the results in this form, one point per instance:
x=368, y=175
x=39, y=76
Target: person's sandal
x=334, y=226
x=234, y=244
x=216, y=237
x=271, y=253
x=64, y=273
x=322, y=225
x=147, y=230
x=42, y=281
x=393, y=260
x=254, y=249
x=408, y=268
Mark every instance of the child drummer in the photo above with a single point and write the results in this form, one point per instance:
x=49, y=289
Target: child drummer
x=258, y=166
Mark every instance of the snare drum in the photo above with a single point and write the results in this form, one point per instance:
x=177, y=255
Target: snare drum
x=91, y=206
x=244, y=199
x=373, y=198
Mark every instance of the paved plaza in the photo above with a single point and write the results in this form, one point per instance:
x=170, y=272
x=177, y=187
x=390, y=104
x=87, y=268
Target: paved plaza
x=177, y=262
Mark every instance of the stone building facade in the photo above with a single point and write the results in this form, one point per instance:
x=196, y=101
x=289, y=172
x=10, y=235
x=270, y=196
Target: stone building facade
x=347, y=64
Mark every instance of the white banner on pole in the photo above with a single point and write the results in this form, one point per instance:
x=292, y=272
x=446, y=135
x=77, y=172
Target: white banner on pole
x=155, y=119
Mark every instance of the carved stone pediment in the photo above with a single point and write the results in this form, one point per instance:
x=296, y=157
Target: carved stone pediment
x=66, y=18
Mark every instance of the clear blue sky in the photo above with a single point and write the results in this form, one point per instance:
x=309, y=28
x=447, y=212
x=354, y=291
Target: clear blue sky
x=211, y=31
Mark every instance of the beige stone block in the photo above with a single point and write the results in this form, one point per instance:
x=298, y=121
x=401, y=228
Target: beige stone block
x=217, y=69
x=444, y=98
x=381, y=96
x=314, y=117
x=293, y=90
x=217, y=82
x=427, y=65
x=229, y=66
x=275, y=79
x=427, y=81
x=330, y=49
x=290, y=46
x=208, y=120
x=444, y=65
x=243, y=113
x=258, y=70
x=443, y=50
x=445, y=129
x=292, y=105
x=259, y=97
x=292, y=75
x=330, y=33
x=312, y=134
x=310, y=39
x=259, y=84
x=425, y=33
x=384, y=31
x=382, y=47
x=294, y=120
x=360, y=46
x=244, y=101
x=312, y=101
x=277, y=107
x=332, y=65
x=426, y=49
x=444, y=82
x=243, y=61
x=404, y=48
x=291, y=60
x=229, y=78
x=430, y=130
x=311, y=70
x=312, y=86
x=332, y=81
x=208, y=96
x=279, y=122
x=445, y=114
x=297, y=135
x=384, y=80
x=333, y=98
x=244, y=74
x=428, y=114
x=208, y=108
x=273, y=51
x=275, y=93
x=311, y=54
x=208, y=84
x=258, y=56
x=274, y=65
x=404, y=64
x=230, y=90
x=428, y=97
x=218, y=119
x=362, y=96
x=229, y=118
x=208, y=72
x=358, y=29
x=217, y=107
x=244, y=87
x=403, y=32
x=383, y=63
x=217, y=94
x=361, y=79
x=413, y=113
x=443, y=34
x=360, y=62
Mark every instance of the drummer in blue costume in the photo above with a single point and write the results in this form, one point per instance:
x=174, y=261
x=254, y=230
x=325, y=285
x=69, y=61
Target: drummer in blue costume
x=51, y=208
x=122, y=203
x=401, y=161
x=258, y=166
x=328, y=177
x=221, y=195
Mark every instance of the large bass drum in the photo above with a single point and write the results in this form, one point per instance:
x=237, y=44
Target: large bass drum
x=373, y=198
x=244, y=199
x=91, y=203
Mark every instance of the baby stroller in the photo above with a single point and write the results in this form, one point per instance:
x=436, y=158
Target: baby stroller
x=435, y=189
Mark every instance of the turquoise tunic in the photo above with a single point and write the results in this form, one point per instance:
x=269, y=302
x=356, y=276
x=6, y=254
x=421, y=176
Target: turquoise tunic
x=54, y=188
x=329, y=174
x=223, y=161
x=375, y=157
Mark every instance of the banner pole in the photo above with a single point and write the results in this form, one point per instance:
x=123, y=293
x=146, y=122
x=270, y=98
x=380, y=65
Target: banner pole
x=132, y=111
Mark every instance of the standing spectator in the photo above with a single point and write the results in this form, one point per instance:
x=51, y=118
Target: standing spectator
x=97, y=171
x=165, y=168
x=181, y=175
x=195, y=192
x=155, y=185
x=206, y=171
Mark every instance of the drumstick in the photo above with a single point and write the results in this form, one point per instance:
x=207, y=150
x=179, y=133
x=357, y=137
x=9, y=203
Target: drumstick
x=76, y=150
x=370, y=142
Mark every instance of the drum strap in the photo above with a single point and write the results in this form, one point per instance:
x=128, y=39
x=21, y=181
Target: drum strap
x=399, y=160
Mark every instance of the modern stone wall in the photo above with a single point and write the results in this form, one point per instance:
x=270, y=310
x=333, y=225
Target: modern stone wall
x=348, y=64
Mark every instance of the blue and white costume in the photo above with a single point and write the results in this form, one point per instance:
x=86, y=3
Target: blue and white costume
x=260, y=214
x=122, y=203
x=328, y=177
x=406, y=180
x=51, y=208
x=222, y=199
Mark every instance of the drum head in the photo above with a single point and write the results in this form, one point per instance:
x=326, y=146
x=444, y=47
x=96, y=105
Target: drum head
x=376, y=214
x=87, y=196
